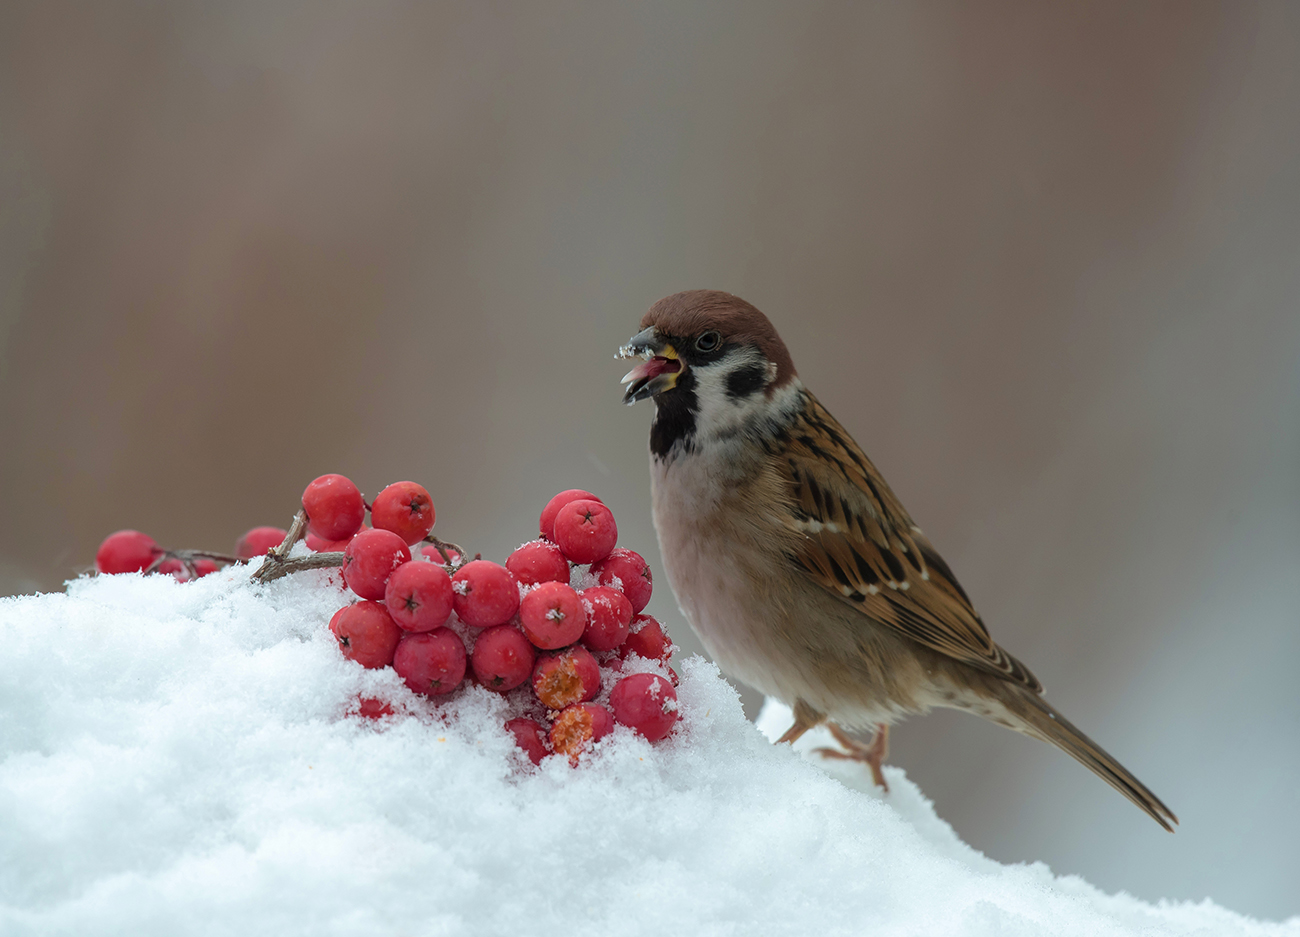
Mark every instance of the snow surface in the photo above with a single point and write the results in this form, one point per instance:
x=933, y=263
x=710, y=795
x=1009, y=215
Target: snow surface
x=177, y=759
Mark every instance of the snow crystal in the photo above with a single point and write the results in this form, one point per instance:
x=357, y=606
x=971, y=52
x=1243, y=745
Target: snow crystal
x=177, y=758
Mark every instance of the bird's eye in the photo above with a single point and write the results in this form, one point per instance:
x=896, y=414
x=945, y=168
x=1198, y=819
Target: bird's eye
x=709, y=341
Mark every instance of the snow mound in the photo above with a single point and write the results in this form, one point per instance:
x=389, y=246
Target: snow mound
x=177, y=758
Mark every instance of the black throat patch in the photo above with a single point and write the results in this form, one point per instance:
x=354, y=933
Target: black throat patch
x=675, y=413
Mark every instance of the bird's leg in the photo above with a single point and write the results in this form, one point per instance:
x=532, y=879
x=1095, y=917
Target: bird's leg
x=873, y=754
x=805, y=718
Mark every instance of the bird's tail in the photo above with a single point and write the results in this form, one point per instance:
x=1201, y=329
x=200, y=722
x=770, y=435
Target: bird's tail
x=1042, y=721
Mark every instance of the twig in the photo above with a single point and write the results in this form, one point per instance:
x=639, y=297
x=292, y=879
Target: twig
x=274, y=569
x=276, y=557
x=443, y=546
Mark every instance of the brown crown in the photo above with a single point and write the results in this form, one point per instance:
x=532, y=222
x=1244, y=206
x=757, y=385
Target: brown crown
x=687, y=314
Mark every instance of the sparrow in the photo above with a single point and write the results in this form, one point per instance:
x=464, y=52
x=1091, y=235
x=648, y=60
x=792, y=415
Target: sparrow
x=794, y=561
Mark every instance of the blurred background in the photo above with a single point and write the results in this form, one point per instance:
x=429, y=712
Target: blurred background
x=1043, y=260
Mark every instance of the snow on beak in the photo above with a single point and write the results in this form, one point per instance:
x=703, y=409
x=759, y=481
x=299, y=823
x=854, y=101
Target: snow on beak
x=656, y=374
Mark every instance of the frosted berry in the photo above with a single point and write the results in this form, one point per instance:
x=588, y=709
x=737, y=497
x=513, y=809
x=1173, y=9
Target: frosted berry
x=609, y=616
x=553, y=615
x=546, y=523
x=418, y=596
x=432, y=663
x=334, y=506
x=645, y=703
x=503, y=658
x=370, y=559
x=629, y=573
x=578, y=726
x=585, y=531
x=647, y=639
x=127, y=551
x=485, y=594
x=529, y=736
x=538, y=561
x=366, y=634
x=434, y=555
x=406, y=509
x=368, y=707
x=566, y=677
x=258, y=540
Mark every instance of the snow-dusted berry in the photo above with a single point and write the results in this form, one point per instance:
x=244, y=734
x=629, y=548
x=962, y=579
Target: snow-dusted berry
x=366, y=633
x=585, y=531
x=370, y=559
x=127, y=551
x=647, y=639
x=529, y=736
x=334, y=506
x=578, y=726
x=258, y=541
x=503, y=658
x=628, y=572
x=369, y=707
x=418, y=596
x=646, y=703
x=609, y=616
x=546, y=523
x=485, y=594
x=406, y=509
x=432, y=663
x=538, y=561
x=552, y=615
x=566, y=677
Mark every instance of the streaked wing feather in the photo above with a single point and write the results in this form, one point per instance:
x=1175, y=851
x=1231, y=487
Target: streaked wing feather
x=859, y=543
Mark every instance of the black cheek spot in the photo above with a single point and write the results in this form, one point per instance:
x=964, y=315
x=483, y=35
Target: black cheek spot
x=747, y=380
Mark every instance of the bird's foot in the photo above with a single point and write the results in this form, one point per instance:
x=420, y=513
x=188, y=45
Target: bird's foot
x=873, y=754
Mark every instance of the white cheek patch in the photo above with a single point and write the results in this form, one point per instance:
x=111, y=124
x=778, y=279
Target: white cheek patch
x=722, y=414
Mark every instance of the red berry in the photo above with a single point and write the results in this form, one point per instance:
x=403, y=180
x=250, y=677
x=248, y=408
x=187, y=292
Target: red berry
x=173, y=567
x=406, y=509
x=552, y=615
x=503, y=658
x=646, y=703
x=485, y=594
x=529, y=736
x=418, y=596
x=258, y=540
x=432, y=663
x=204, y=567
x=569, y=676
x=609, y=616
x=334, y=506
x=546, y=523
x=370, y=559
x=585, y=531
x=370, y=708
x=647, y=639
x=627, y=572
x=127, y=551
x=366, y=634
x=434, y=555
x=578, y=726
x=538, y=561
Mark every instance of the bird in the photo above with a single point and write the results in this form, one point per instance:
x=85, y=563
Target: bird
x=796, y=564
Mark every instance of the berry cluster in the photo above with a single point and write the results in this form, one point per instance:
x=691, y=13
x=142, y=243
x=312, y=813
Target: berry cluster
x=558, y=629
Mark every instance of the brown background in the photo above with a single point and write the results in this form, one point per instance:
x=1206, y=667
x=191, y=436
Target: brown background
x=1042, y=259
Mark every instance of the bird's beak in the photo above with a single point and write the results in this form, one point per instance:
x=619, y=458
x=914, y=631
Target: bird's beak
x=658, y=373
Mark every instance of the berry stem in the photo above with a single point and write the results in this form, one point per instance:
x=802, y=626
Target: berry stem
x=442, y=546
x=274, y=568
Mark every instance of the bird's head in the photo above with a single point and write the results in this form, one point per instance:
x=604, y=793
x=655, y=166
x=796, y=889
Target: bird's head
x=712, y=362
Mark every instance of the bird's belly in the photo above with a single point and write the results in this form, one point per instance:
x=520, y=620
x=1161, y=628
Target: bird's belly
x=760, y=619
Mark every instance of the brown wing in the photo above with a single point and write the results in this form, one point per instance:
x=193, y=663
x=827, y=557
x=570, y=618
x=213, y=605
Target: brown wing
x=859, y=543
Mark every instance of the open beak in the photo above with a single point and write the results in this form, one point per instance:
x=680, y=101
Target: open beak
x=657, y=373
